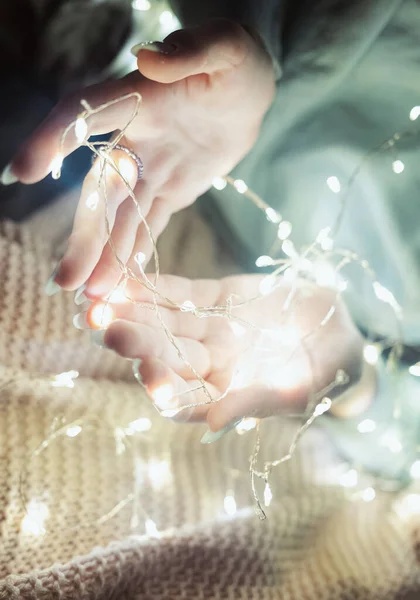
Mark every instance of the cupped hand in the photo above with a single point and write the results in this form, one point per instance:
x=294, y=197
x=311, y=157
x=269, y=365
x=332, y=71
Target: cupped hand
x=204, y=94
x=271, y=355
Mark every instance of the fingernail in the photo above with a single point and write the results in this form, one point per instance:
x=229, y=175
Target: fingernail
x=212, y=436
x=160, y=47
x=51, y=287
x=79, y=296
x=7, y=177
x=136, y=369
x=98, y=336
x=80, y=321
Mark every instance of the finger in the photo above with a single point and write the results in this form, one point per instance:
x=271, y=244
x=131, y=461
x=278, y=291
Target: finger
x=33, y=161
x=170, y=392
x=97, y=204
x=134, y=340
x=108, y=270
x=206, y=49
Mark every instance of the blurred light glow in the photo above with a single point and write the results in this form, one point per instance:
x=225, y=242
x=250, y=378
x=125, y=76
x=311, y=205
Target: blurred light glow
x=240, y=186
x=349, y=479
x=391, y=441
x=237, y=328
x=100, y=315
x=219, y=183
x=163, y=395
x=168, y=22
x=139, y=426
x=289, y=249
x=325, y=274
x=272, y=215
x=368, y=494
x=284, y=230
x=128, y=169
x=415, y=370
x=151, y=529
x=371, y=354
x=415, y=470
x=140, y=257
x=118, y=296
x=73, y=431
x=323, y=407
x=141, y=4
x=268, y=495
x=34, y=520
x=366, y=426
x=80, y=130
x=230, y=505
x=334, y=184
x=408, y=506
x=55, y=166
x=188, y=306
x=92, y=201
x=415, y=113
x=267, y=284
x=398, y=166
x=159, y=473
x=264, y=261
x=246, y=425
x=65, y=379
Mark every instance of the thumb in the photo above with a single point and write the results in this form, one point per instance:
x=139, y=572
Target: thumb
x=216, y=46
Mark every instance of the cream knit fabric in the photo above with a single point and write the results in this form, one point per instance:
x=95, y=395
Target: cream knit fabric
x=94, y=492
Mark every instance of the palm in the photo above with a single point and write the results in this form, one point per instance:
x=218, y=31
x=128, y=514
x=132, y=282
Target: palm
x=270, y=358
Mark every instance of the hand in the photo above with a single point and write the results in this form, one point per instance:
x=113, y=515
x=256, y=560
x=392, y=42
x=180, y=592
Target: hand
x=274, y=366
x=203, y=103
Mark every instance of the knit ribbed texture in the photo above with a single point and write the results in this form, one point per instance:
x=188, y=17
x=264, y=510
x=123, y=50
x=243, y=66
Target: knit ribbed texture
x=315, y=545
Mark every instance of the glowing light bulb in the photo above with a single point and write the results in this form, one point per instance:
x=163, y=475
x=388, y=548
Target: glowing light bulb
x=151, y=529
x=368, y=494
x=398, y=166
x=324, y=233
x=349, y=479
x=323, y=407
x=140, y=257
x=73, y=431
x=237, y=328
x=187, y=306
x=55, y=166
x=284, y=230
x=80, y=130
x=325, y=274
x=118, y=296
x=415, y=370
x=230, y=505
x=408, y=506
x=391, y=441
x=415, y=470
x=34, y=520
x=334, y=184
x=289, y=249
x=168, y=21
x=264, y=261
x=139, y=426
x=272, y=215
x=163, y=395
x=268, y=495
x=65, y=379
x=170, y=412
x=383, y=294
x=246, y=425
x=366, y=426
x=327, y=244
x=100, y=315
x=128, y=169
x=371, y=354
x=159, y=473
x=415, y=113
x=92, y=201
x=267, y=284
x=141, y=4
x=240, y=186
x=219, y=183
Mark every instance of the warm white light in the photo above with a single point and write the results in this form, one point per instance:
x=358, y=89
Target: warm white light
x=327, y=244
x=349, y=479
x=368, y=494
x=371, y=354
x=170, y=412
x=415, y=470
x=323, y=407
x=92, y=201
x=366, y=426
x=392, y=442
x=237, y=328
x=219, y=183
x=272, y=215
x=334, y=184
x=151, y=529
x=383, y=294
x=398, y=166
x=73, y=431
x=80, y=130
x=140, y=257
x=240, y=186
x=415, y=370
x=118, y=296
x=230, y=505
x=324, y=233
x=101, y=315
x=139, y=425
x=267, y=284
x=55, y=166
x=159, y=473
x=268, y=495
x=128, y=169
x=408, y=506
x=65, y=379
x=246, y=425
x=33, y=521
x=187, y=306
x=284, y=230
x=163, y=395
x=168, y=21
x=264, y=261
x=325, y=274
x=415, y=113
x=141, y=4
x=289, y=248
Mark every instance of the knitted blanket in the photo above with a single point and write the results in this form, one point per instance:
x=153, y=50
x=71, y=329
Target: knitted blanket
x=100, y=497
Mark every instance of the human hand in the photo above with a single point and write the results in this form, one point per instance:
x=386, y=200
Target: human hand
x=203, y=103
x=272, y=359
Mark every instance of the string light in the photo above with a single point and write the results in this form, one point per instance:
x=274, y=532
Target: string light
x=322, y=407
x=219, y=183
x=100, y=315
x=415, y=470
x=334, y=184
x=163, y=395
x=92, y=201
x=73, y=431
x=267, y=285
x=140, y=258
x=289, y=249
x=415, y=370
x=268, y=494
x=398, y=166
x=264, y=261
x=81, y=130
x=246, y=425
x=368, y=494
x=408, y=506
x=159, y=474
x=230, y=504
x=284, y=230
x=141, y=5
x=56, y=165
x=415, y=113
x=349, y=479
x=391, y=441
x=188, y=306
x=65, y=379
x=168, y=22
x=139, y=426
x=127, y=168
x=371, y=354
x=366, y=426
x=272, y=215
x=34, y=520
x=151, y=529
x=240, y=186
